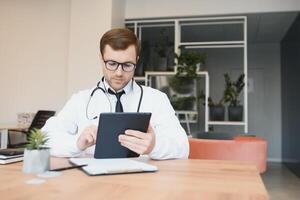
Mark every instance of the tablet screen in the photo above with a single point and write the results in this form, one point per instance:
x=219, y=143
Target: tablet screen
x=111, y=125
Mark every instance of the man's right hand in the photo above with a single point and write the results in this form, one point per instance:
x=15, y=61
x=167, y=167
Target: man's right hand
x=87, y=138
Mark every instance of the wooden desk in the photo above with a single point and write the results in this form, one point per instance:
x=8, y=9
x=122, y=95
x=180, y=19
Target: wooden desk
x=176, y=179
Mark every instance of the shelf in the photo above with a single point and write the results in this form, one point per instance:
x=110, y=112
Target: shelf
x=222, y=18
x=214, y=46
x=186, y=116
x=190, y=112
x=212, y=43
x=160, y=73
x=187, y=121
x=157, y=73
x=139, y=78
x=179, y=41
x=226, y=123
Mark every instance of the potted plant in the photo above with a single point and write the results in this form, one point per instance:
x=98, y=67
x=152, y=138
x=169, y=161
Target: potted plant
x=182, y=103
x=187, y=63
x=161, y=49
x=216, y=109
x=36, y=154
x=232, y=92
x=181, y=84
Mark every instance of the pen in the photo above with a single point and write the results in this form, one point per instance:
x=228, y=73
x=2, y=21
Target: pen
x=66, y=168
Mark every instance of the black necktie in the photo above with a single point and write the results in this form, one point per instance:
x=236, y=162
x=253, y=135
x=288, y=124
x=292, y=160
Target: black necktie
x=119, y=107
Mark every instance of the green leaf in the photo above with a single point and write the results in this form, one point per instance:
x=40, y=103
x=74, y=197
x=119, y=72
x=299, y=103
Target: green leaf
x=37, y=140
x=187, y=63
x=233, y=89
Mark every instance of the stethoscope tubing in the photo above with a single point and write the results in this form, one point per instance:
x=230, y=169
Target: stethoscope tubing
x=105, y=92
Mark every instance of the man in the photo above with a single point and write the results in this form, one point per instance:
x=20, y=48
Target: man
x=74, y=130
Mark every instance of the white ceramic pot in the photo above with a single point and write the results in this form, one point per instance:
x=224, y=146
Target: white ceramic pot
x=36, y=161
x=198, y=67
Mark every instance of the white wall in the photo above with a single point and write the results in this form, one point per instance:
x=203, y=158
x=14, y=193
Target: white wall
x=49, y=49
x=118, y=13
x=265, y=101
x=33, y=56
x=167, y=8
x=88, y=22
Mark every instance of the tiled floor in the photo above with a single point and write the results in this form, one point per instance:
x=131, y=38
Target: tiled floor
x=281, y=183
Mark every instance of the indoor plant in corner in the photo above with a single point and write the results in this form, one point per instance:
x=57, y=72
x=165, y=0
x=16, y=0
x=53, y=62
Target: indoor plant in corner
x=182, y=103
x=232, y=92
x=216, y=109
x=187, y=63
x=36, y=154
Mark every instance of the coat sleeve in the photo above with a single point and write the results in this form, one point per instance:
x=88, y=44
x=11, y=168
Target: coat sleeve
x=62, y=130
x=171, y=140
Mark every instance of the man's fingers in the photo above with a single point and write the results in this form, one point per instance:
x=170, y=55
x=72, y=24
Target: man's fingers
x=133, y=147
x=89, y=139
x=137, y=134
x=91, y=134
x=149, y=130
x=94, y=136
x=133, y=140
x=94, y=128
x=138, y=141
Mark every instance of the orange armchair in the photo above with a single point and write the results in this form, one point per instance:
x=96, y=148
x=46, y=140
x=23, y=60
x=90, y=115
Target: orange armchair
x=241, y=148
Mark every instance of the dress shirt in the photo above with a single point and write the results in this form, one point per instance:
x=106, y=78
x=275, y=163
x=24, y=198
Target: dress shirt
x=64, y=129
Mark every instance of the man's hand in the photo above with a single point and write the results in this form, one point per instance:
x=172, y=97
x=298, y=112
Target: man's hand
x=87, y=138
x=139, y=142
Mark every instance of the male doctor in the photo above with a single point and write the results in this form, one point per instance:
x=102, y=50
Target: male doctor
x=73, y=131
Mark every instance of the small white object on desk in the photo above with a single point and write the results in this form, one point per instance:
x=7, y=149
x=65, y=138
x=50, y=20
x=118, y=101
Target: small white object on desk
x=35, y=181
x=112, y=166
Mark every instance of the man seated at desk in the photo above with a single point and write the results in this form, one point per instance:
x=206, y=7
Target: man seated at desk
x=74, y=130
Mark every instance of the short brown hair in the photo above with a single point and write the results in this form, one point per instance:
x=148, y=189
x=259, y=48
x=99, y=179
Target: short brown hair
x=119, y=39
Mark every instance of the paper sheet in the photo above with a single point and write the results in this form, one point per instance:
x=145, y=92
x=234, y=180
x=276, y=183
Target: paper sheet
x=112, y=166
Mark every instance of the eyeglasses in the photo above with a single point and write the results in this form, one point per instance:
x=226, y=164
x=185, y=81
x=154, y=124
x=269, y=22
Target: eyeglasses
x=113, y=65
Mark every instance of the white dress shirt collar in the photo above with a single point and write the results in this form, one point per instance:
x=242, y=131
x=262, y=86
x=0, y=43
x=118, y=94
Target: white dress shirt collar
x=128, y=87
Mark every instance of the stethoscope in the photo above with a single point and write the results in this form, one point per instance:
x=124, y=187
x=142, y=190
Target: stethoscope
x=104, y=90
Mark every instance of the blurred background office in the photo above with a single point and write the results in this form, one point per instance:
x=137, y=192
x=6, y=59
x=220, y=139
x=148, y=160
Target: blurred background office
x=49, y=50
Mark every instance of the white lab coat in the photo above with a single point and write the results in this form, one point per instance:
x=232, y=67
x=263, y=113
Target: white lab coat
x=64, y=129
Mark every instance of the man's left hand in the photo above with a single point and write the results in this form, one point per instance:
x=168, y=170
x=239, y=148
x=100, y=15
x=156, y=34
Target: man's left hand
x=137, y=141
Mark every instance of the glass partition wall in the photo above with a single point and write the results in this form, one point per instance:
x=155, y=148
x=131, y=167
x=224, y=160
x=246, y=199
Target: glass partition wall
x=162, y=39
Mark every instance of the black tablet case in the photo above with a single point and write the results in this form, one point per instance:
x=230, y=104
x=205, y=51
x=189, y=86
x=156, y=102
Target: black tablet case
x=111, y=125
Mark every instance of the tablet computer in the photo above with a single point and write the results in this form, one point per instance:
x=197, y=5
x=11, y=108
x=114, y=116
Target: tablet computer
x=111, y=125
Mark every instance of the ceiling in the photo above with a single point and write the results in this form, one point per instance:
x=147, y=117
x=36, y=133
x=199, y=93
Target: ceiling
x=269, y=27
x=262, y=28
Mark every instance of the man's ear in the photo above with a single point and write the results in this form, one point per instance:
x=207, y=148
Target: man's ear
x=137, y=59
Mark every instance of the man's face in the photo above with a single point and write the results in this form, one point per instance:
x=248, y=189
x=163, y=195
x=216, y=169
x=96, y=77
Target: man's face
x=118, y=79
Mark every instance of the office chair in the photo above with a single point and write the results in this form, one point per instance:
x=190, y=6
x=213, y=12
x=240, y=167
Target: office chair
x=38, y=121
x=240, y=148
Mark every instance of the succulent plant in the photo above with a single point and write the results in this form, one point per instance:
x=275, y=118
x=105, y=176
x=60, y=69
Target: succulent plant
x=37, y=140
